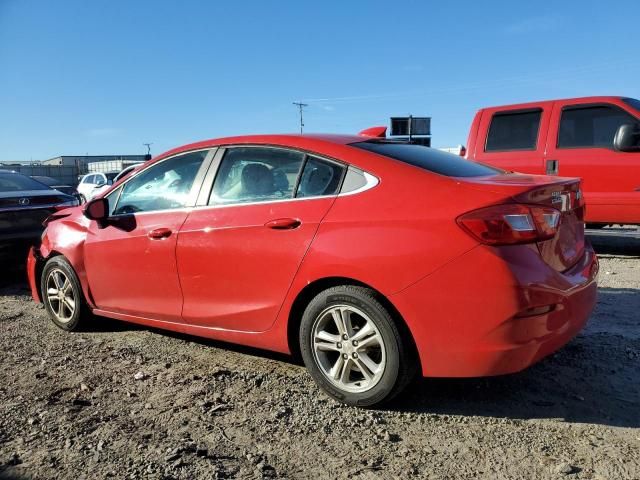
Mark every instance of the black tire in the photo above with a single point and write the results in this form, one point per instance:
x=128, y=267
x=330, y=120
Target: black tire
x=58, y=267
x=399, y=365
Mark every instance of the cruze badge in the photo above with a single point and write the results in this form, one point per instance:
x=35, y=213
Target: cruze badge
x=563, y=199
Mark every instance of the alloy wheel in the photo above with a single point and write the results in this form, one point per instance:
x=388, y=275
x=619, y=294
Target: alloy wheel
x=348, y=348
x=60, y=295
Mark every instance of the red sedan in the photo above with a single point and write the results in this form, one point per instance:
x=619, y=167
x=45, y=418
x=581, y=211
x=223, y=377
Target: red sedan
x=370, y=258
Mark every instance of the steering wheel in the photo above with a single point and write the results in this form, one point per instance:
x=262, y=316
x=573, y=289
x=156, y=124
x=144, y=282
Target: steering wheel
x=128, y=209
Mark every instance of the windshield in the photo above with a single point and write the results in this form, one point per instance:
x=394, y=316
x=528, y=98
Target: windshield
x=633, y=103
x=430, y=159
x=14, y=182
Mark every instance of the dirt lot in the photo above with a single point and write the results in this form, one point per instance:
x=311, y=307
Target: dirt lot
x=128, y=402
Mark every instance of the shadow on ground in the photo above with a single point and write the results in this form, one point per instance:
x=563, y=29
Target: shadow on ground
x=628, y=247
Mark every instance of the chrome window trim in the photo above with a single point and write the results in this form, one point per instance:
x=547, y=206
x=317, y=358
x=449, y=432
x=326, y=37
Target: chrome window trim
x=207, y=207
x=213, y=161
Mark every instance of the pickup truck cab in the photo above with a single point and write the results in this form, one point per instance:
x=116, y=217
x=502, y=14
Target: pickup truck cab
x=594, y=138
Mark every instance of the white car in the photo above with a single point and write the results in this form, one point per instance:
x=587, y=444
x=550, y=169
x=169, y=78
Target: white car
x=94, y=183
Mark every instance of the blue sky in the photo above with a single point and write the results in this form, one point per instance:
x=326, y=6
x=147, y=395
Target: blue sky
x=102, y=77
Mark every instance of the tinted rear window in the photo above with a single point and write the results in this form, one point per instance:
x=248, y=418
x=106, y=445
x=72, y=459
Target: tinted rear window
x=14, y=182
x=436, y=161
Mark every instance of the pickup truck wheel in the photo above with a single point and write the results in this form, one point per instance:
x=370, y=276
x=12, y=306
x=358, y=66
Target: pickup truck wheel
x=352, y=347
x=62, y=295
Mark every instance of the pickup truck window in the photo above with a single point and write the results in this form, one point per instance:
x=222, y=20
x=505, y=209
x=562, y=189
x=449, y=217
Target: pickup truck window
x=435, y=161
x=513, y=131
x=591, y=126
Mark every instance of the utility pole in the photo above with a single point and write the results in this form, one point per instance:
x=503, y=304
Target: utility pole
x=300, y=107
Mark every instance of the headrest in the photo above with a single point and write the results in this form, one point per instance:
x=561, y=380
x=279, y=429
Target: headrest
x=257, y=179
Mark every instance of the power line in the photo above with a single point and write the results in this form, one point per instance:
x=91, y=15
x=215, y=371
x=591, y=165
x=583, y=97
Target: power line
x=300, y=107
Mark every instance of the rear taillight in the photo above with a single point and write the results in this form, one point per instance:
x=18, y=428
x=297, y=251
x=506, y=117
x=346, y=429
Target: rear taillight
x=511, y=224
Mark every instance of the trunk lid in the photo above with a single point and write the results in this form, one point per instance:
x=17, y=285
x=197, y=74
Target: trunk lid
x=563, y=194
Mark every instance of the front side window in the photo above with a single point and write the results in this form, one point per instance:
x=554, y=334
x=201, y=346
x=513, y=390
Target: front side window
x=166, y=185
x=513, y=131
x=319, y=178
x=256, y=174
x=89, y=179
x=594, y=126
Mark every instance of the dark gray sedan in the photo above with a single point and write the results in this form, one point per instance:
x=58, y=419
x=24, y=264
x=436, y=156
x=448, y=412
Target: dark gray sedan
x=24, y=204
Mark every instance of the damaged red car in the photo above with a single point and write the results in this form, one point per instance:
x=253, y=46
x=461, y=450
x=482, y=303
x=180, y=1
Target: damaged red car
x=372, y=259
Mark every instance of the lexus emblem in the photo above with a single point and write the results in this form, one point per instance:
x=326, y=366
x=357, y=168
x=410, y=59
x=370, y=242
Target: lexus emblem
x=24, y=201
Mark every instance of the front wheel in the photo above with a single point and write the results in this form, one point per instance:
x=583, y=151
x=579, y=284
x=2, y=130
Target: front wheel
x=62, y=295
x=352, y=347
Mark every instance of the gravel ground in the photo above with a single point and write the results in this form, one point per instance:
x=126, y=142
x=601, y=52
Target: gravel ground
x=128, y=402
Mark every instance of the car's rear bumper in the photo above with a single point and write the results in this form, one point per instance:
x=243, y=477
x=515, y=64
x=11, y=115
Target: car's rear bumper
x=486, y=312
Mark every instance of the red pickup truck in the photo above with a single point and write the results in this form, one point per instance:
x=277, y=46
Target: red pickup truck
x=594, y=138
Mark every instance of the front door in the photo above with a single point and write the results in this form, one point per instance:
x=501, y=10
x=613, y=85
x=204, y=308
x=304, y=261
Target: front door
x=238, y=255
x=130, y=261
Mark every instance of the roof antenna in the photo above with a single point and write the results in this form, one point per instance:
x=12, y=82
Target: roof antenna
x=300, y=107
x=148, y=145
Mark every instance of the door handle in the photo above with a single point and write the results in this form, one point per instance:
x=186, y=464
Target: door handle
x=283, y=223
x=159, y=233
x=552, y=167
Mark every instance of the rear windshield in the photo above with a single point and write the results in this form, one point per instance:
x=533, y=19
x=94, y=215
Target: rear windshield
x=14, y=182
x=430, y=159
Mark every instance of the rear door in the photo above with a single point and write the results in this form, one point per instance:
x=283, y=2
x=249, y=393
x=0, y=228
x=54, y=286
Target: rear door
x=514, y=138
x=581, y=142
x=239, y=251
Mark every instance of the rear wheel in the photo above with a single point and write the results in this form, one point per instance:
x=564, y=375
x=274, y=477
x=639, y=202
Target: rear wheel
x=352, y=347
x=62, y=294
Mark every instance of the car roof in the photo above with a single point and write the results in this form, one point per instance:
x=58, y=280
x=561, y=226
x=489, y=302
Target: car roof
x=308, y=141
x=594, y=99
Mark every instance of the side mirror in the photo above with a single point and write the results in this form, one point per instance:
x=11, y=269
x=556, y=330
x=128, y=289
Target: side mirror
x=627, y=138
x=97, y=209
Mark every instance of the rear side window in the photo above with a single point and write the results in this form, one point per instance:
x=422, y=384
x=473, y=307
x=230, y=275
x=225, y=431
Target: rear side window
x=256, y=174
x=514, y=131
x=593, y=126
x=319, y=178
x=435, y=161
